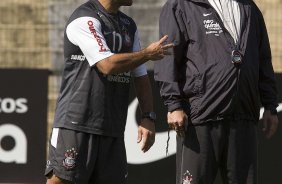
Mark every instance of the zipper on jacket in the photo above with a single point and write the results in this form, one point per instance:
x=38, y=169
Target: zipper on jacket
x=226, y=33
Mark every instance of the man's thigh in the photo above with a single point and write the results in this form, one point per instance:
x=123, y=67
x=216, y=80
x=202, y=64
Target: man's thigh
x=241, y=158
x=111, y=164
x=52, y=179
x=198, y=153
x=83, y=158
x=72, y=155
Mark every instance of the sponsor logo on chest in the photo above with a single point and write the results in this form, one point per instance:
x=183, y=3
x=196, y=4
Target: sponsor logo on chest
x=212, y=27
x=120, y=78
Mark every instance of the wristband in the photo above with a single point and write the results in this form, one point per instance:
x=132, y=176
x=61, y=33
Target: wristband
x=150, y=115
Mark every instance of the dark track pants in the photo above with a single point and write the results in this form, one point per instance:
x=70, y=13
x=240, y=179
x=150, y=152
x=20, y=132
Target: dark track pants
x=228, y=146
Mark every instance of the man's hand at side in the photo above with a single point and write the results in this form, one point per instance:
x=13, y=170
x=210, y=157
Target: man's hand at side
x=146, y=132
x=177, y=121
x=270, y=123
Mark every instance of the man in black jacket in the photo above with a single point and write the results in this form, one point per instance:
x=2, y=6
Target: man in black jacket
x=102, y=53
x=213, y=84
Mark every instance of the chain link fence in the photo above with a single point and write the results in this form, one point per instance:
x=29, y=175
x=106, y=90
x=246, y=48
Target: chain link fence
x=31, y=33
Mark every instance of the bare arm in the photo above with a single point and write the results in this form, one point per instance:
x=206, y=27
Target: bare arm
x=124, y=62
x=94, y=47
x=146, y=129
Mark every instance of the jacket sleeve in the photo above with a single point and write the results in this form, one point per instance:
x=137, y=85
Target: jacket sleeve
x=170, y=71
x=267, y=85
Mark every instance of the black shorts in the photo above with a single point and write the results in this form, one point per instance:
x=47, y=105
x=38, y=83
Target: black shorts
x=87, y=158
x=228, y=146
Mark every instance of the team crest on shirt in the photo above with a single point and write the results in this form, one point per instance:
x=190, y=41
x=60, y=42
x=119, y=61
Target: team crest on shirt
x=187, y=178
x=70, y=159
x=127, y=39
x=125, y=21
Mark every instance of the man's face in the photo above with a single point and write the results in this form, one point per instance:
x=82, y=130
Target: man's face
x=124, y=2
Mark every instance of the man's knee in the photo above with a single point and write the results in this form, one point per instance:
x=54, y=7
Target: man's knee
x=52, y=179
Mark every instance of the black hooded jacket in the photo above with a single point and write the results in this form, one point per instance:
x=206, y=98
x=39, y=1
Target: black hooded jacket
x=200, y=77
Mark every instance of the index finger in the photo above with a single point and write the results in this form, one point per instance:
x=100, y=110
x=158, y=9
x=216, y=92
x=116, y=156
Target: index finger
x=144, y=147
x=167, y=46
x=163, y=39
x=272, y=130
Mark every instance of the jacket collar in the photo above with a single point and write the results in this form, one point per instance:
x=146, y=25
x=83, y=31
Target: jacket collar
x=207, y=2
